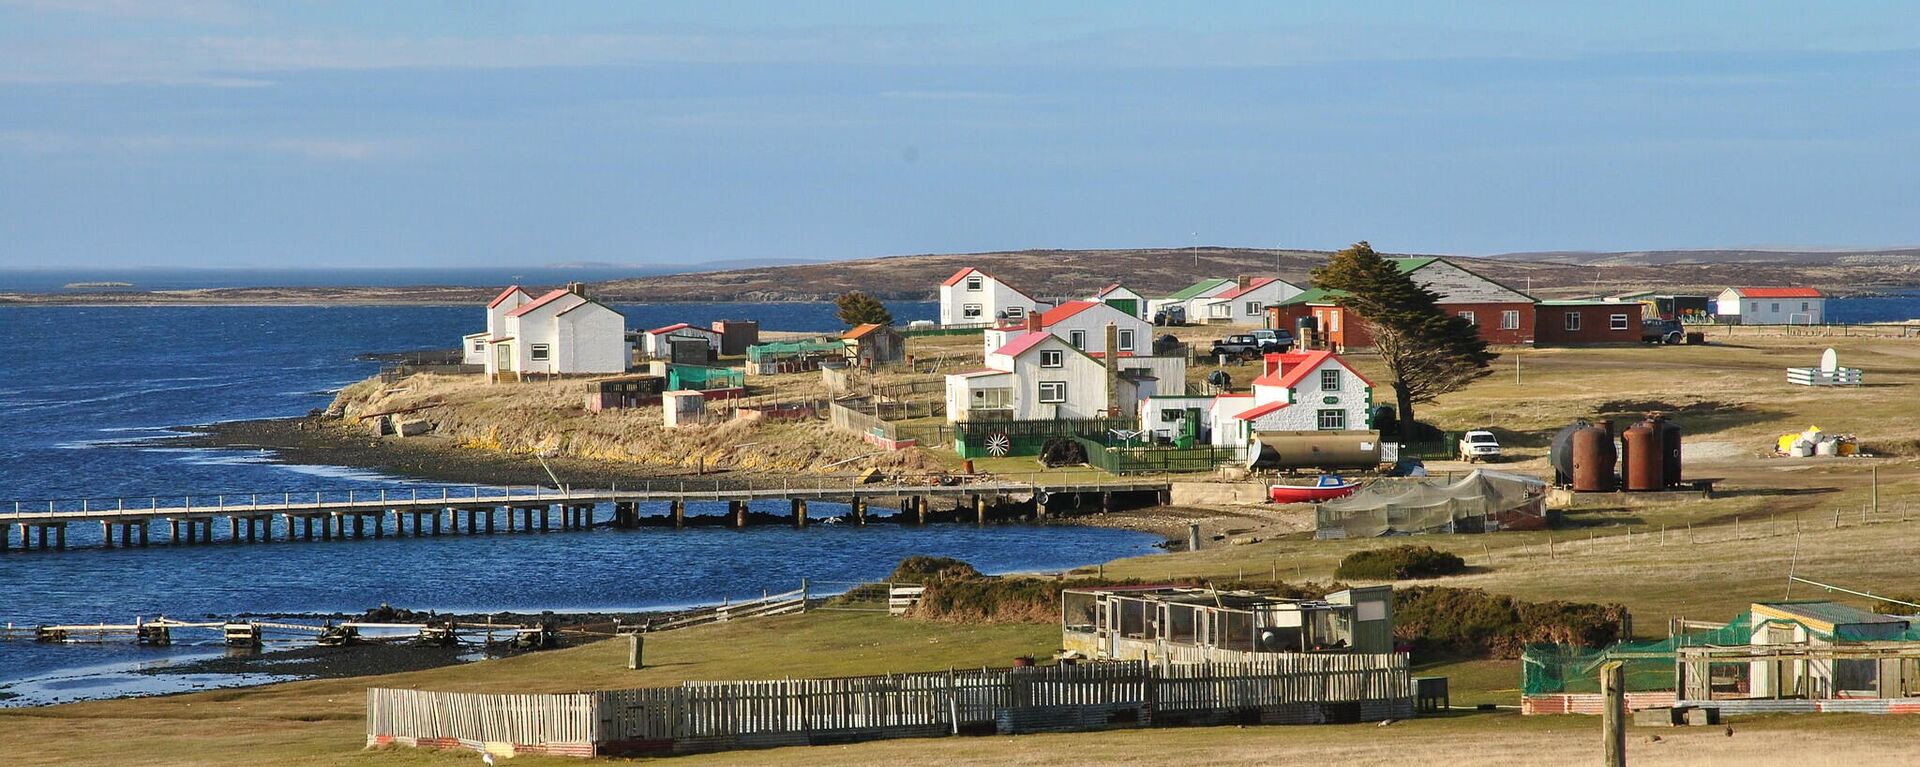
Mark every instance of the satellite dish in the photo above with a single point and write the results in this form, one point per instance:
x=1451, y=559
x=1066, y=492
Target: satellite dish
x=1829, y=361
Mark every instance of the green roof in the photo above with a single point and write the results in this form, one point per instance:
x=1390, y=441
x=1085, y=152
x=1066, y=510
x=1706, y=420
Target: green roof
x=1196, y=289
x=1408, y=265
x=1312, y=296
x=1586, y=302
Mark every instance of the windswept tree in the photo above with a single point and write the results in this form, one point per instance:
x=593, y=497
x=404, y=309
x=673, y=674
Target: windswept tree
x=1427, y=351
x=857, y=308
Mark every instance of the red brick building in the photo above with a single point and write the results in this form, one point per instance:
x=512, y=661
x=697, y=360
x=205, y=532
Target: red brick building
x=1586, y=323
x=1504, y=316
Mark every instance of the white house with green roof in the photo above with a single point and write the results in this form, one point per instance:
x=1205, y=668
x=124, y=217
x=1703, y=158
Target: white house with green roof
x=1192, y=298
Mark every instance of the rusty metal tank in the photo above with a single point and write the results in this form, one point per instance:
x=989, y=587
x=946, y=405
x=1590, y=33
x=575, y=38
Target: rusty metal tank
x=1669, y=448
x=1593, y=460
x=1643, y=465
x=1323, y=450
x=1560, y=453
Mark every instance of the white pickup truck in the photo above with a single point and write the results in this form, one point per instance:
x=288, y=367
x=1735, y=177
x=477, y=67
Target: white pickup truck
x=1479, y=445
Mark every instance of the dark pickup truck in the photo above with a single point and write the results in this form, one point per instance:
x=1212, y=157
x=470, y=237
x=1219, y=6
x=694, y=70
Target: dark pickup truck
x=1248, y=346
x=1658, y=331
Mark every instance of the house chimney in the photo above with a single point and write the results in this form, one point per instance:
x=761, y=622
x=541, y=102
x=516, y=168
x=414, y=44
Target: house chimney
x=1033, y=322
x=1112, y=360
x=1243, y=281
x=578, y=289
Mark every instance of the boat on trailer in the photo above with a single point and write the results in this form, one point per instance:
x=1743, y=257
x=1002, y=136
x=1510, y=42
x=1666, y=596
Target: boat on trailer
x=1327, y=488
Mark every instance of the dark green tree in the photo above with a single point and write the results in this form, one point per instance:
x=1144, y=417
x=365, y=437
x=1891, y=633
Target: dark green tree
x=857, y=308
x=1427, y=351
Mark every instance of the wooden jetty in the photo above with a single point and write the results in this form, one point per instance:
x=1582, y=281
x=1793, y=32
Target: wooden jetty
x=254, y=633
x=358, y=514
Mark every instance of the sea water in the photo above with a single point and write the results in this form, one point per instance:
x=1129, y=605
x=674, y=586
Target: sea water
x=87, y=398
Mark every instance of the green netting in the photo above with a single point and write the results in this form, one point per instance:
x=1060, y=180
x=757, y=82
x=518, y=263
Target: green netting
x=787, y=349
x=1549, y=669
x=695, y=377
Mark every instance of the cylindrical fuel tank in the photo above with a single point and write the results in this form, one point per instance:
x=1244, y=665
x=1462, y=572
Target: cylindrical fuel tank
x=1326, y=450
x=1593, y=458
x=1669, y=449
x=1560, y=453
x=1640, y=448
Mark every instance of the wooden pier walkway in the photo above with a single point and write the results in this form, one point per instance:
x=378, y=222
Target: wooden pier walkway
x=355, y=514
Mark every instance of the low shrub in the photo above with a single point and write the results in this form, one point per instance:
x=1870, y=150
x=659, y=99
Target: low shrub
x=1472, y=623
x=921, y=569
x=1399, y=562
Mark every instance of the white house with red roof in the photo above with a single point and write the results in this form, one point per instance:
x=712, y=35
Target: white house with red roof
x=1298, y=391
x=973, y=297
x=658, y=342
x=1081, y=323
x=474, y=346
x=560, y=333
x=1039, y=376
x=1246, y=303
x=1771, y=306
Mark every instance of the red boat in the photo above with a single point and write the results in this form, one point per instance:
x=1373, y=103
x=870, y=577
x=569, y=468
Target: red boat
x=1328, y=488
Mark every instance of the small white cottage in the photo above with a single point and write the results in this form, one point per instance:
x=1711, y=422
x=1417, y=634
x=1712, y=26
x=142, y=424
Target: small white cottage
x=973, y=297
x=561, y=333
x=1247, y=302
x=474, y=347
x=1300, y=391
x=1083, y=324
x=1771, y=306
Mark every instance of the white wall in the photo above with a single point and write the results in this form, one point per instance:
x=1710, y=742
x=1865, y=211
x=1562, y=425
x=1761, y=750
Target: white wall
x=1236, y=308
x=1771, y=311
x=592, y=339
x=1353, y=398
x=993, y=297
x=1093, y=322
x=1153, y=409
x=660, y=344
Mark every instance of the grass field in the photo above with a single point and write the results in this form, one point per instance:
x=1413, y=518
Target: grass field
x=1703, y=560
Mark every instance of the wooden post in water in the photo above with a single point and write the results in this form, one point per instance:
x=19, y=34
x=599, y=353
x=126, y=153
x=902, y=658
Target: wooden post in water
x=859, y=510
x=979, y=509
x=60, y=536
x=799, y=512
x=738, y=510
x=106, y=533
x=678, y=507
x=1613, y=713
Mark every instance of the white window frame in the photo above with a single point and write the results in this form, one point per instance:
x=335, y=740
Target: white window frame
x=1053, y=358
x=479, y=346
x=1572, y=322
x=1016, y=312
x=1058, y=395
x=1126, y=340
x=971, y=311
x=1510, y=319
x=1077, y=339
x=1220, y=309
x=1253, y=308
x=992, y=398
x=540, y=352
x=1330, y=379
x=976, y=283
x=1468, y=316
x=1616, y=322
x=1337, y=416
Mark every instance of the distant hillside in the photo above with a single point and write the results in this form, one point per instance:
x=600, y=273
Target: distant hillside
x=1157, y=271
x=1153, y=271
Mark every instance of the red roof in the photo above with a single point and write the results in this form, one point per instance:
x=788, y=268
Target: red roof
x=1260, y=411
x=1022, y=344
x=1252, y=285
x=1295, y=366
x=1777, y=292
x=538, y=302
x=669, y=328
x=504, y=295
x=1063, y=311
x=861, y=331
x=1108, y=289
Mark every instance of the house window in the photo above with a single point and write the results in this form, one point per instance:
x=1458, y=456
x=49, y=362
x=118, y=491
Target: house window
x=1220, y=309
x=1754, y=307
x=538, y=352
x=1016, y=312
x=1803, y=306
x=970, y=311
x=1333, y=420
x=1172, y=415
x=1617, y=322
x=1053, y=358
x=974, y=283
x=479, y=346
x=1053, y=392
x=1573, y=321
x=1000, y=398
x=1775, y=307
x=1126, y=340
x=1333, y=322
x=1468, y=316
x=1253, y=308
x=1330, y=380
x=1510, y=320
x=1078, y=338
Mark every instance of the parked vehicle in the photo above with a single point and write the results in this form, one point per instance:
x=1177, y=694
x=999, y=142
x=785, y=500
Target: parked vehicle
x=1273, y=341
x=1479, y=445
x=1170, y=315
x=1655, y=330
x=1239, y=346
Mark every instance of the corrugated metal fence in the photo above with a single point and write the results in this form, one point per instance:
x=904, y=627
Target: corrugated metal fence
x=719, y=716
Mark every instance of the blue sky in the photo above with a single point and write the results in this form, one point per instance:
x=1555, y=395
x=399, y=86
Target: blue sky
x=213, y=133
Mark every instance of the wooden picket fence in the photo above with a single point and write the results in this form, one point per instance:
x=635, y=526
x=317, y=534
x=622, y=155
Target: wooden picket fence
x=719, y=716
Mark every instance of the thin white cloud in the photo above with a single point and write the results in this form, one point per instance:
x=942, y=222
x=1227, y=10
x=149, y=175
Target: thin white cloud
x=330, y=149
